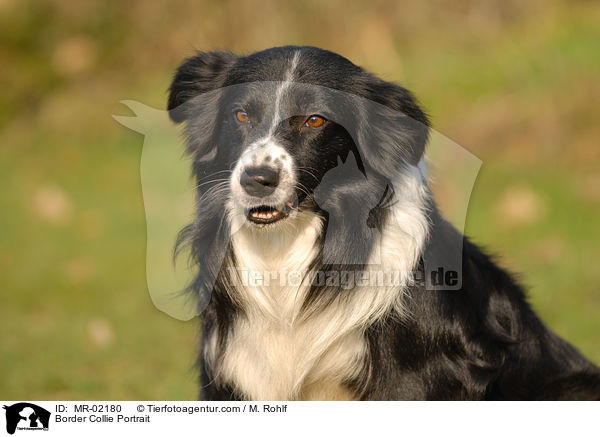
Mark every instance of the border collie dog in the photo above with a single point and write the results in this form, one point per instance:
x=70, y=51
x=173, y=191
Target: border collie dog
x=314, y=238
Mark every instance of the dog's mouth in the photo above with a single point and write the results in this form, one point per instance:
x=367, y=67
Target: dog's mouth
x=265, y=214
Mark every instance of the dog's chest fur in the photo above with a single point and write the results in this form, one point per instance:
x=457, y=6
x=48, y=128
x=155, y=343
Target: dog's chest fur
x=271, y=353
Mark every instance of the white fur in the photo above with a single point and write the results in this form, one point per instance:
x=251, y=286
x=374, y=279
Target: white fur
x=276, y=353
x=287, y=81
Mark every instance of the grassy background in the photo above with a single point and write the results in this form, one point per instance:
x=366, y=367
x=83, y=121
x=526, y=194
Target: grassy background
x=514, y=82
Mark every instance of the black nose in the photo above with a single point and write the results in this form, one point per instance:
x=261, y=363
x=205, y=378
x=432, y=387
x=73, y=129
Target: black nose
x=259, y=181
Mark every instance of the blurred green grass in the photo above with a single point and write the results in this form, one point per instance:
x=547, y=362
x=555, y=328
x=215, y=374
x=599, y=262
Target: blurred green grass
x=516, y=84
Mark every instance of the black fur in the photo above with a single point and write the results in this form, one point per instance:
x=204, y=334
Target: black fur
x=480, y=342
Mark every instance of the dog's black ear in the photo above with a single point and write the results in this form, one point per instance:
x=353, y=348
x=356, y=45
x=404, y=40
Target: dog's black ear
x=197, y=75
x=397, y=128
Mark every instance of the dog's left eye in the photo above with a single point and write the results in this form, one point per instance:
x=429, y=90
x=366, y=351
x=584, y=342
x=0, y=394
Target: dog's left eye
x=315, y=121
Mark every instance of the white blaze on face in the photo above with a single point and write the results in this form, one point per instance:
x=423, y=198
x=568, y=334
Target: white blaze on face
x=287, y=81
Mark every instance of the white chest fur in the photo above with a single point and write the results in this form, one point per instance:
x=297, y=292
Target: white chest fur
x=271, y=353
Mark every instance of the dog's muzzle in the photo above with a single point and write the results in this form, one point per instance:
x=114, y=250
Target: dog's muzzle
x=263, y=184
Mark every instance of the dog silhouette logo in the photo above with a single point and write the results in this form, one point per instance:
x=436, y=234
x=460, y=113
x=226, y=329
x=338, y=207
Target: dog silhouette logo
x=26, y=416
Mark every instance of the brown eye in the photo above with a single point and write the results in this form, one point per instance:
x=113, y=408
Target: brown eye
x=242, y=116
x=315, y=121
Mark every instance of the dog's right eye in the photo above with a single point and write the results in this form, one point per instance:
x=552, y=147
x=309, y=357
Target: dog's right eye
x=315, y=121
x=242, y=117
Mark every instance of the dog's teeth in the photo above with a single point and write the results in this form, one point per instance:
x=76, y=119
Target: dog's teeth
x=266, y=214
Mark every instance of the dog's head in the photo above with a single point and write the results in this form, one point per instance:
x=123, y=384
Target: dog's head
x=265, y=129
x=288, y=139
